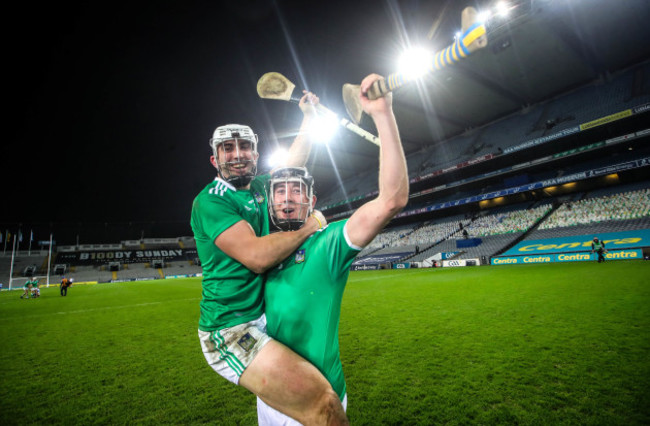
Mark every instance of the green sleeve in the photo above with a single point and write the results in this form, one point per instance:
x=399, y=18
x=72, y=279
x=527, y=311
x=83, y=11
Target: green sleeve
x=212, y=214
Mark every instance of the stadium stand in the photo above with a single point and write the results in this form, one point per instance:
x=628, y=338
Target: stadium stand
x=603, y=210
x=614, y=208
x=127, y=261
x=489, y=246
x=605, y=96
x=578, y=164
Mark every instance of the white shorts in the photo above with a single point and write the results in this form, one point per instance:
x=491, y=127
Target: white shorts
x=230, y=351
x=267, y=416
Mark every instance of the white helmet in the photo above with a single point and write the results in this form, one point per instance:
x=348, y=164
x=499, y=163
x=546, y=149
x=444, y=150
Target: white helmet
x=279, y=185
x=235, y=132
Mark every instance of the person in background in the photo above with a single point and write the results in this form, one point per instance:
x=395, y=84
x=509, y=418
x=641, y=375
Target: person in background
x=27, y=287
x=66, y=283
x=598, y=247
x=36, y=290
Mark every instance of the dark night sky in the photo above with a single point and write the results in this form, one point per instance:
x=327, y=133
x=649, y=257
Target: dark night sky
x=111, y=104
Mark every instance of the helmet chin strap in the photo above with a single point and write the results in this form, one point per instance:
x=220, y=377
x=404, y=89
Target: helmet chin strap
x=238, y=181
x=290, y=225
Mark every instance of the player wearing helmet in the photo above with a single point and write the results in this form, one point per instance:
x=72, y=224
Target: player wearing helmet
x=291, y=198
x=231, y=229
x=235, y=154
x=27, y=287
x=36, y=290
x=303, y=293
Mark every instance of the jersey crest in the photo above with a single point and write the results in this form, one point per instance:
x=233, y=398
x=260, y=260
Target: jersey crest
x=300, y=256
x=258, y=197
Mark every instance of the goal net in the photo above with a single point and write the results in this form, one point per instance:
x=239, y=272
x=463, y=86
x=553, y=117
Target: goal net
x=19, y=282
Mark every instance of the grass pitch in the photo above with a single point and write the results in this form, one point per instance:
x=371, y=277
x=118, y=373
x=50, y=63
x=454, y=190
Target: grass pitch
x=520, y=344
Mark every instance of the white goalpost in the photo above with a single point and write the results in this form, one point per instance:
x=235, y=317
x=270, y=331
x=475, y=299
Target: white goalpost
x=19, y=282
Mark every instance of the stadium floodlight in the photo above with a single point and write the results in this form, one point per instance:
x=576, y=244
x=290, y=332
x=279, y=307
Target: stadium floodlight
x=323, y=127
x=503, y=9
x=484, y=16
x=415, y=62
x=278, y=158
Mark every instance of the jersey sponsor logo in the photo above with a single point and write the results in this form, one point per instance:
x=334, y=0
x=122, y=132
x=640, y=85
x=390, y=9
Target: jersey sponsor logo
x=300, y=256
x=219, y=188
x=247, y=342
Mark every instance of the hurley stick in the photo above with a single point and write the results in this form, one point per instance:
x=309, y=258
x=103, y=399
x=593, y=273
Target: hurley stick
x=274, y=85
x=472, y=39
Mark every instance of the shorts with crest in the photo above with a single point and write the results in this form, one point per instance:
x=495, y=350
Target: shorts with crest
x=230, y=350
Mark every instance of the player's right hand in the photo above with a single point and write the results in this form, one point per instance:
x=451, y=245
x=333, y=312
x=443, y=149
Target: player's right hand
x=381, y=105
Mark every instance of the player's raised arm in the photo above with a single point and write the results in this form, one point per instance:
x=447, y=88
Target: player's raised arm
x=301, y=146
x=261, y=253
x=373, y=216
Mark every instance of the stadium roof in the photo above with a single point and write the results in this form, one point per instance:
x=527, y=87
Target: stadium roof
x=547, y=48
x=113, y=104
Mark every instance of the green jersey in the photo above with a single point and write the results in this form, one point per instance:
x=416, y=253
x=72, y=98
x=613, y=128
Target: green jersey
x=232, y=294
x=303, y=300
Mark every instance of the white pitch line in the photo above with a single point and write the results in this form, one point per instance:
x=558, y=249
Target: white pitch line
x=107, y=308
x=381, y=277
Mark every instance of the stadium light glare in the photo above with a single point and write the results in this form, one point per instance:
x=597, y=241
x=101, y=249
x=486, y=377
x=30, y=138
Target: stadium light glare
x=278, y=158
x=415, y=62
x=503, y=9
x=484, y=16
x=323, y=128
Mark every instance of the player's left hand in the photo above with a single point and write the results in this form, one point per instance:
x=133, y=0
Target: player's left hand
x=308, y=103
x=317, y=220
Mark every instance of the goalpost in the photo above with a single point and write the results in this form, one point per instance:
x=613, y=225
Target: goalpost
x=43, y=280
x=19, y=282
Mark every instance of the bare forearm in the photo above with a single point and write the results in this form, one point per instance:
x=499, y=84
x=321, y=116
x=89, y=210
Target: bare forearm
x=373, y=216
x=299, y=151
x=274, y=248
x=393, y=175
x=301, y=146
x=261, y=253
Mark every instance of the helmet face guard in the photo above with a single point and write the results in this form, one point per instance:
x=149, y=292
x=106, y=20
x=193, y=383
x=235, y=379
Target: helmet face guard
x=290, y=197
x=240, y=144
